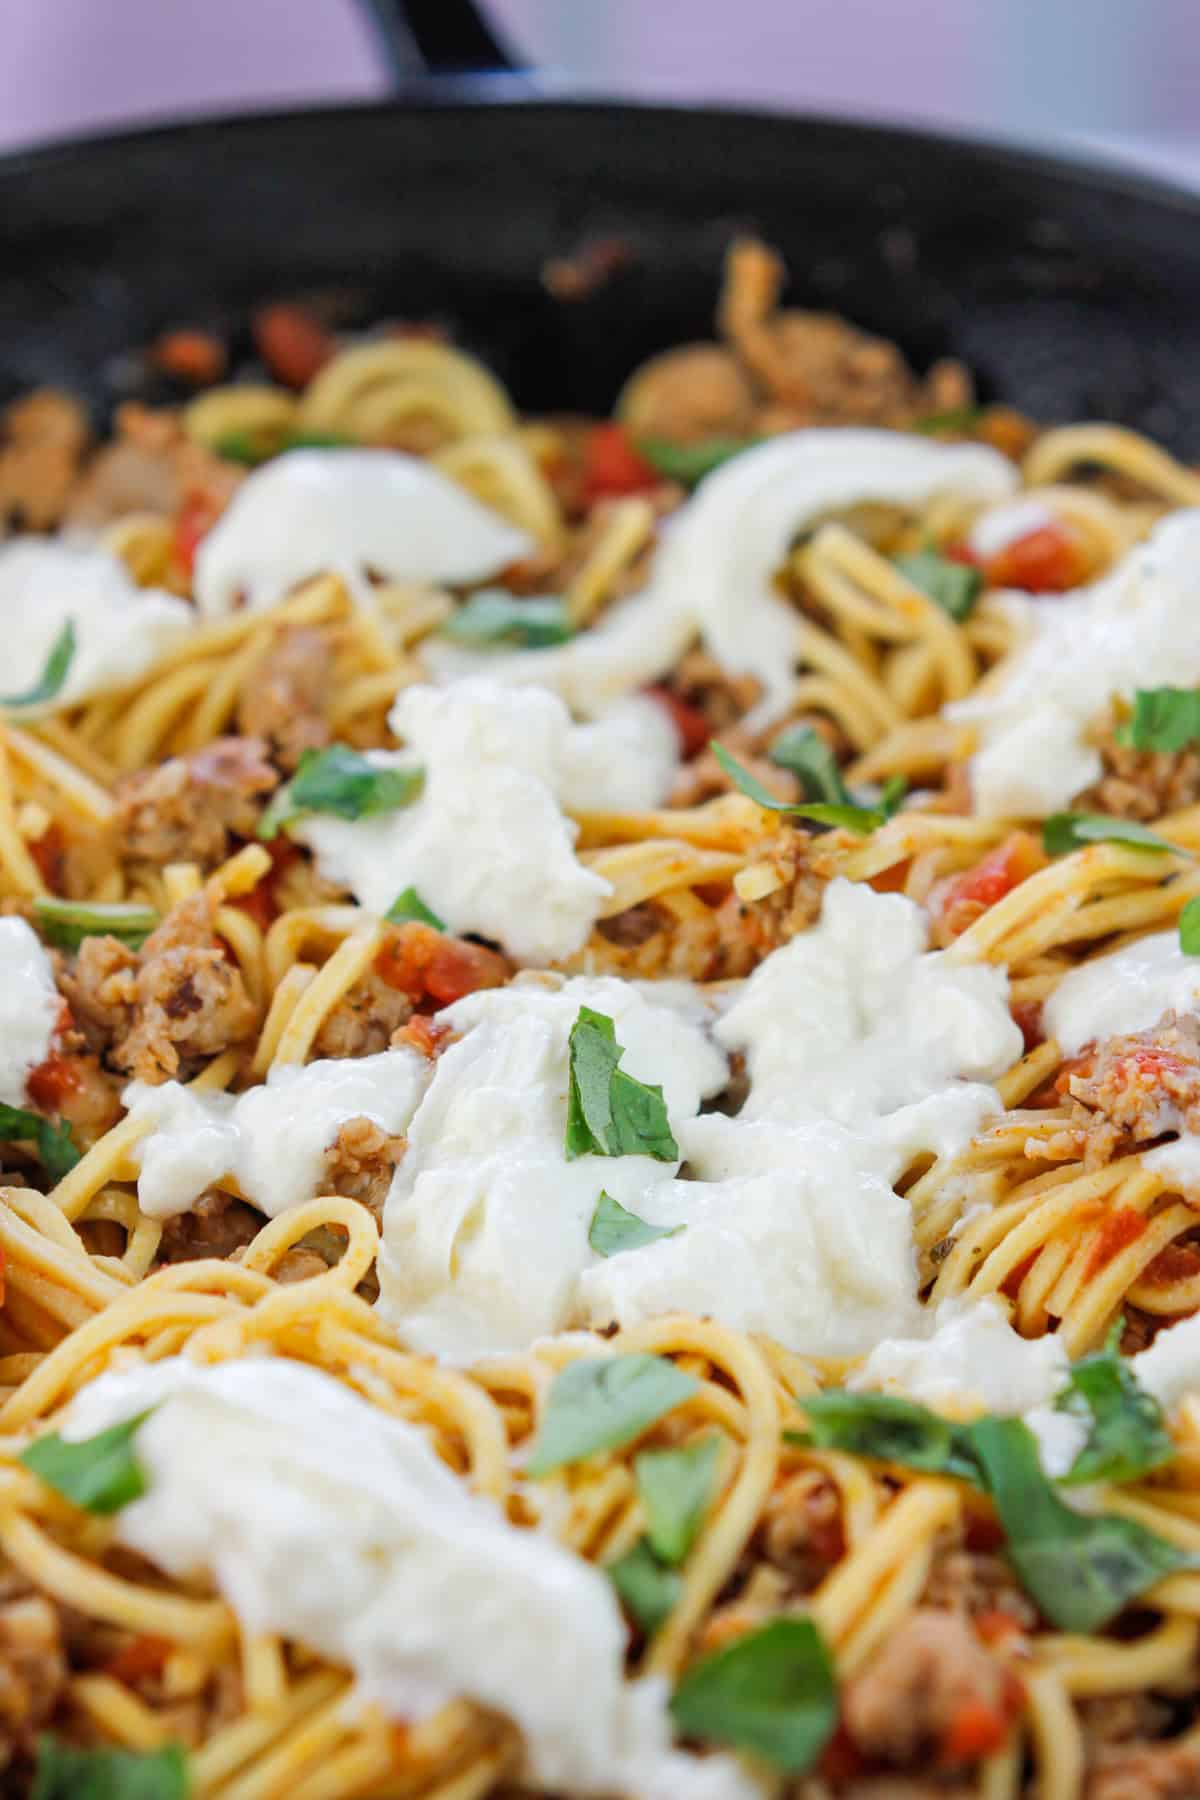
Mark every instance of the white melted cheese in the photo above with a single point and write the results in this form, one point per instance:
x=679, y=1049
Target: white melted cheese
x=486, y=1225
x=1137, y=628
x=863, y=1050
x=714, y=573
x=1128, y=990
x=271, y=1139
x=337, y=1526
x=487, y=844
x=121, y=630
x=29, y=1008
x=971, y=1360
x=1170, y=1368
x=353, y=513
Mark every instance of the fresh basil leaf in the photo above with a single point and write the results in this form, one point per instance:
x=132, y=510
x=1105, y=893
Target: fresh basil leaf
x=1080, y=1569
x=1189, y=928
x=675, y=1487
x=409, y=905
x=955, y=586
x=893, y=795
x=240, y=447
x=1127, y=1434
x=773, y=1692
x=648, y=1592
x=65, y=1773
x=55, y=1145
x=608, y=1112
x=343, y=782
x=613, y=1229
x=690, y=463
x=862, y=819
x=67, y=922
x=889, y=1429
x=956, y=418
x=1165, y=718
x=810, y=759
x=54, y=672
x=101, y=1474
x=493, y=616
x=1066, y=831
x=315, y=440
x=600, y=1403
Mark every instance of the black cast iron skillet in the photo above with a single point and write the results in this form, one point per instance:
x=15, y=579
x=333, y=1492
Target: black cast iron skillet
x=1073, y=291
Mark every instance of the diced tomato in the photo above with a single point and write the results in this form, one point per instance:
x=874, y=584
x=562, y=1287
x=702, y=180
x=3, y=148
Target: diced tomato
x=142, y=1657
x=893, y=879
x=1122, y=1227
x=293, y=344
x=983, y=1530
x=842, y=1760
x=1174, y=1262
x=612, y=464
x=47, y=852
x=693, y=728
x=995, y=1626
x=970, y=895
x=961, y=553
x=1027, y=1014
x=261, y=903
x=49, y=1084
x=195, y=518
x=977, y=1729
x=1049, y=560
x=194, y=356
x=425, y=964
x=423, y=1036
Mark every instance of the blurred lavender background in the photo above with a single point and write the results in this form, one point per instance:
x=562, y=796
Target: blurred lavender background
x=1119, y=75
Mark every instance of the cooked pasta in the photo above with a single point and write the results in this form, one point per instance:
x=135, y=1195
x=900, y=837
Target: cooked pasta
x=600, y=1090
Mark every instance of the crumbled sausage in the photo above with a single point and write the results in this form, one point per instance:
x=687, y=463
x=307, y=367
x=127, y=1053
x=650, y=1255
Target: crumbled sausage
x=157, y=1013
x=364, y=1019
x=1142, y=784
x=1145, y=1771
x=150, y=466
x=1145, y=1083
x=284, y=695
x=216, y=1225
x=45, y=436
x=192, y=808
x=802, y=1530
x=33, y=1666
x=816, y=368
x=687, y=395
x=361, y=1161
x=902, y=1706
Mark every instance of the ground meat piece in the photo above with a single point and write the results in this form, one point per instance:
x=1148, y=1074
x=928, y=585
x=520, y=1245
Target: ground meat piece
x=688, y=394
x=1147, y=1082
x=802, y=1530
x=817, y=368
x=151, y=466
x=361, y=1161
x=1143, y=784
x=902, y=1706
x=1120, y=1719
x=976, y=1582
x=721, y=697
x=33, y=1666
x=176, y=1002
x=750, y=929
x=192, y=808
x=283, y=697
x=45, y=436
x=903, y=1787
x=216, y=1226
x=630, y=929
x=1145, y=1771
x=364, y=1019
x=299, y=1264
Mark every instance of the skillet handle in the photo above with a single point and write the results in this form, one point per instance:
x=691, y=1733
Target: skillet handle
x=438, y=37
